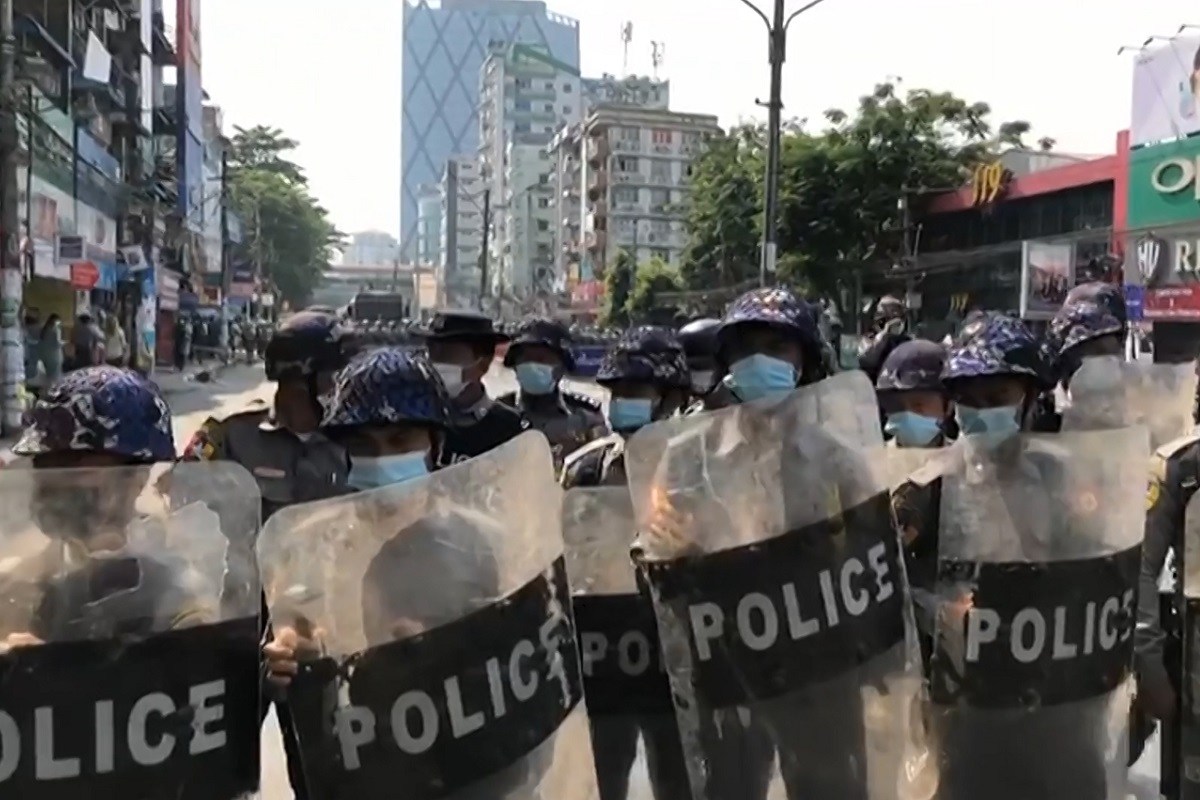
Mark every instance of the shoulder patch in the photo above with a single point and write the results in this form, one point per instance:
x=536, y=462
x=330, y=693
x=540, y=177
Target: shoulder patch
x=579, y=399
x=206, y=443
x=1172, y=447
x=1153, y=492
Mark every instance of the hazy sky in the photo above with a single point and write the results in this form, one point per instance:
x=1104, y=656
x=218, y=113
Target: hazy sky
x=329, y=73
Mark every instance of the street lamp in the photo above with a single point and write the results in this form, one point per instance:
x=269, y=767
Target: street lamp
x=776, y=53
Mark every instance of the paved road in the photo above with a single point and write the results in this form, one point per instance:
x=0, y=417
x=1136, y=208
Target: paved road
x=240, y=385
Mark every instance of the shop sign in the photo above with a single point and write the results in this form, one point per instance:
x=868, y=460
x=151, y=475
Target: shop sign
x=1161, y=262
x=989, y=183
x=84, y=275
x=1164, y=184
x=1176, y=175
x=1172, y=303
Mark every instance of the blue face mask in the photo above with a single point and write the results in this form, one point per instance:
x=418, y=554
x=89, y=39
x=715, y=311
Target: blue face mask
x=912, y=429
x=535, y=378
x=759, y=376
x=371, y=473
x=629, y=413
x=1001, y=420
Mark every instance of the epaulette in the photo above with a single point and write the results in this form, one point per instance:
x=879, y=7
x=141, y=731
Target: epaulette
x=1173, y=447
x=582, y=400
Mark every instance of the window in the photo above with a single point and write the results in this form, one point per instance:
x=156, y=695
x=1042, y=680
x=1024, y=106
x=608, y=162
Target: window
x=566, y=110
x=660, y=136
x=548, y=107
x=629, y=134
x=543, y=202
x=659, y=198
x=566, y=88
x=549, y=86
x=691, y=138
x=624, y=194
x=660, y=170
x=543, y=225
x=627, y=164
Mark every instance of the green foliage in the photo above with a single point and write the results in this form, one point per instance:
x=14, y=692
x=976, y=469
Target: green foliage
x=839, y=189
x=287, y=232
x=650, y=279
x=618, y=285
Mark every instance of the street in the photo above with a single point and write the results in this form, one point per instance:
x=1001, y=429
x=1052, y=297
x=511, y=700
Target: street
x=240, y=385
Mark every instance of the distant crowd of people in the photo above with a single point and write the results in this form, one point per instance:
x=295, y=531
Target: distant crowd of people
x=94, y=339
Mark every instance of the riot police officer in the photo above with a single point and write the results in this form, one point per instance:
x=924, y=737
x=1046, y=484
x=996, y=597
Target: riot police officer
x=281, y=444
x=540, y=355
x=890, y=330
x=462, y=346
x=647, y=374
x=699, y=340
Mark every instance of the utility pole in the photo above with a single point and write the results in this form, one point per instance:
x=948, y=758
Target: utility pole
x=10, y=223
x=483, y=253
x=776, y=54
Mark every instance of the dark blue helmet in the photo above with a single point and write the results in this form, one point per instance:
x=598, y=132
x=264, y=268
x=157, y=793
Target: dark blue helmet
x=545, y=332
x=699, y=338
x=648, y=353
x=991, y=343
x=781, y=309
x=386, y=386
x=1090, y=311
x=912, y=365
x=101, y=410
x=306, y=344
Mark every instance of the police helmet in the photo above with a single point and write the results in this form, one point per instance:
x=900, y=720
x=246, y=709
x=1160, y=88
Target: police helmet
x=649, y=354
x=387, y=386
x=699, y=339
x=889, y=307
x=912, y=365
x=307, y=344
x=101, y=410
x=1090, y=311
x=781, y=309
x=545, y=332
x=991, y=343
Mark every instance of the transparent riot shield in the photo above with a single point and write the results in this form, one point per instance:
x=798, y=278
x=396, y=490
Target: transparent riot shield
x=1107, y=392
x=435, y=635
x=902, y=462
x=767, y=542
x=125, y=671
x=628, y=696
x=1038, y=558
x=1180, y=617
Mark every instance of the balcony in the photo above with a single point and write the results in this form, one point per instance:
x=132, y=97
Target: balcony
x=627, y=146
x=164, y=43
x=599, y=182
x=43, y=58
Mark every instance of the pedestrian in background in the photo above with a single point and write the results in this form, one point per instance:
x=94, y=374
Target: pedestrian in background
x=87, y=342
x=50, y=349
x=115, y=345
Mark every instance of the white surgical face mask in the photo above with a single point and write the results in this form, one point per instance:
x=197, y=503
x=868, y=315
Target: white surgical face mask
x=452, y=376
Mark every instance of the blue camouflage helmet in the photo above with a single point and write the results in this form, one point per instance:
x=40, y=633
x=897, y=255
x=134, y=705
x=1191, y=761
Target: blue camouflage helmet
x=387, y=386
x=913, y=365
x=991, y=343
x=101, y=410
x=545, y=332
x=306, y=344
x=648, y=353
x=1090, y=311
x=779, y=308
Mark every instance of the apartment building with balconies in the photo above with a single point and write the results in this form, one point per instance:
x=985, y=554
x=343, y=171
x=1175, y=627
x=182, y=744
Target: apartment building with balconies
x=525, y=96
x=457, y=274
x=634, y=166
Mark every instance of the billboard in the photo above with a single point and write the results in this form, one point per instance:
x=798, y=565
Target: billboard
x=1166, y=91
x=189, y=109
x=1047, y=274
x=1164, y=184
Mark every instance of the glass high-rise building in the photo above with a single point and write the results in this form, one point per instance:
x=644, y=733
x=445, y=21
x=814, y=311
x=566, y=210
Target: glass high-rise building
x=445, y=44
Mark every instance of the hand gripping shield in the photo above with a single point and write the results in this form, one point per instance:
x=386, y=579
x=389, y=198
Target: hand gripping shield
x=777, y=577
x=438, y=657
x=1038, y=558
x=1107, y=392
x=628, y=696
x=126, y=668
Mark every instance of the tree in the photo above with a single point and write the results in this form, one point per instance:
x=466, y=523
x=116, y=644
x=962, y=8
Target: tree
x=724, y=217
x=288, y=233
x=840, y=189
x=618, y=285
x=651, y=279
x=262, y=149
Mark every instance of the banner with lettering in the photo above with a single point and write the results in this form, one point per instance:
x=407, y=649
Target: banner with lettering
x=1047, y=274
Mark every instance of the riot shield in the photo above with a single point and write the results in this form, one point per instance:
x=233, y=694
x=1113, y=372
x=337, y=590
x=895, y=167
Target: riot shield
x=628, y=696
x=1181, y=622
x=125, y=671
x=438, y=656
x=1038, y=558
x=902, y=462
x=767, y=542
x=1107, y=392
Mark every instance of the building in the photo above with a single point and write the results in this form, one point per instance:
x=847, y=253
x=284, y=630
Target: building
x=462, y=193
x=444, y=46
x=371, y=248
x=1021, y=233
x=634, y=165
x=209, y=281
x=341, y=282
x=525, y=95
x=429, y=223
x=639, y=91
